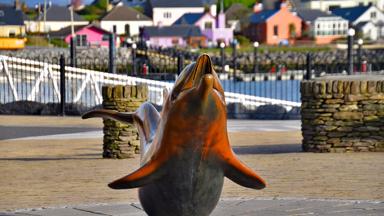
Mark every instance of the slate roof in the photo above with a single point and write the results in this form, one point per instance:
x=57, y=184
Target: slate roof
x=60, y=13
x=311, y=15
x=10, y=16
x=181, y=3
x=120, y=13
x=262, y=16
x=172, y=31
x=188, y=18
x=351, y=13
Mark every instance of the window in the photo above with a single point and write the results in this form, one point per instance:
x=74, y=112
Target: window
x=127, y=30
x=175, y=41
x=208, y=25
x=12, y=33
x=167, y=15
x=275, y=30
x=105, y=37
x=114, y=29
x=81, y=40
x=373, y=15
x=1, y=13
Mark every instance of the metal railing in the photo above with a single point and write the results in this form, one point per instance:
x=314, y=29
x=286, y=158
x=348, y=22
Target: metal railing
x=30, y=80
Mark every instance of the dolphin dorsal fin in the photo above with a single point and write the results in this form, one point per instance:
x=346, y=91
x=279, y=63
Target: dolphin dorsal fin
x=238, y=172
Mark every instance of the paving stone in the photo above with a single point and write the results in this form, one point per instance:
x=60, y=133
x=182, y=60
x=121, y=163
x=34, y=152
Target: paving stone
x=126, y=209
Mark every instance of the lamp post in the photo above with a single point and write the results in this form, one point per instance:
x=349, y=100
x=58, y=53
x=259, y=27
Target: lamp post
x=255, y=57
x=222, y=56
x=147, y=45
x=359, y=49
x=351, y=33
x=134, y=46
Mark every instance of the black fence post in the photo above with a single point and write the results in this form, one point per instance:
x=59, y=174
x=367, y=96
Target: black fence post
x=309, y=67
x=234, y=58
x=134, y=68
x=255, y=57
x=62, y=85
x=73, y=52
x=112, y=54
x=222, y=56
x=351, y=33
x=180, y=63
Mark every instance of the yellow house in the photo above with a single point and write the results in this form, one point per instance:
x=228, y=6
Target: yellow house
x=11, y=22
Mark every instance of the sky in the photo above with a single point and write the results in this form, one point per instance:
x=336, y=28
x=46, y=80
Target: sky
x=31, y=3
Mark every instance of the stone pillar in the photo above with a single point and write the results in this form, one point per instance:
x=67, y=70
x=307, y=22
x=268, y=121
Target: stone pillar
x=343, y=114
x=122, y=140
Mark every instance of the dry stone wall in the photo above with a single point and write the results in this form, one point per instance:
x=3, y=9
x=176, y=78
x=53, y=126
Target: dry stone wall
x=122, y=140
x=343, y=114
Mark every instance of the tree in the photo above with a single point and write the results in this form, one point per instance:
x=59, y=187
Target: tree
x=247, y=3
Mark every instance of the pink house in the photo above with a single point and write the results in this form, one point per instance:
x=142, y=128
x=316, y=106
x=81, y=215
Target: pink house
x=213, y=28
x=86, y=36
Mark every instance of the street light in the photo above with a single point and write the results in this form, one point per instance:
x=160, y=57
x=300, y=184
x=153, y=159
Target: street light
x=359, y=49
x=222, y=46
x=360, y=41
x=134, y=46
x=351, y=33
x=255, y=57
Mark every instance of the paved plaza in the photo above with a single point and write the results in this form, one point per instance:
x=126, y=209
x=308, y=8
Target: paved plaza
x=267, y=207
x=53, y=166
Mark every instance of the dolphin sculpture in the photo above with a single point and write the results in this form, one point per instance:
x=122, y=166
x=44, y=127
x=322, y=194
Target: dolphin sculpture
x=185, y=151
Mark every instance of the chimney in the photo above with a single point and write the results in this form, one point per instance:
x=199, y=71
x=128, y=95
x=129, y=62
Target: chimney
x=17, y=5
x=257, y=7
x=283, y=4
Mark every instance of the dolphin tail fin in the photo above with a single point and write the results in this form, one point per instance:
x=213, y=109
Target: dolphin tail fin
x=146, y=174
x=238, y=172
x=125, y=117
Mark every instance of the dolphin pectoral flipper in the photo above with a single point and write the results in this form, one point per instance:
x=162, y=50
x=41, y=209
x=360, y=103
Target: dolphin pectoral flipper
x=146, y=174
x=126, y=117
x=238, y=172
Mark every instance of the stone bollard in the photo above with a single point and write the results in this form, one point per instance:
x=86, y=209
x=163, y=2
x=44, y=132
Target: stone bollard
x=122, y=140
x=343, y=114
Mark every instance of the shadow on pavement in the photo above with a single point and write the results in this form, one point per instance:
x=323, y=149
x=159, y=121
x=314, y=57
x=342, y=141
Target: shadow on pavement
x=12, y=132
x=74, y=157
x=268, y=149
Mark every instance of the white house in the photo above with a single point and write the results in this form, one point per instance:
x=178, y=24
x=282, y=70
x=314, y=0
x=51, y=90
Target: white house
x=368, y=29
x=124, y=20
x=57, y=17
x=166, y=12
x=360, y=15
x=323, y=27
x=326, y=5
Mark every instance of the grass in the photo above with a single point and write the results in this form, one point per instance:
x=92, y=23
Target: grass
x=37, y=41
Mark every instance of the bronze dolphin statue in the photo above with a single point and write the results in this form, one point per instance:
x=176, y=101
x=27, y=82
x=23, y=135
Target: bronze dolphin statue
x=185, y=151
